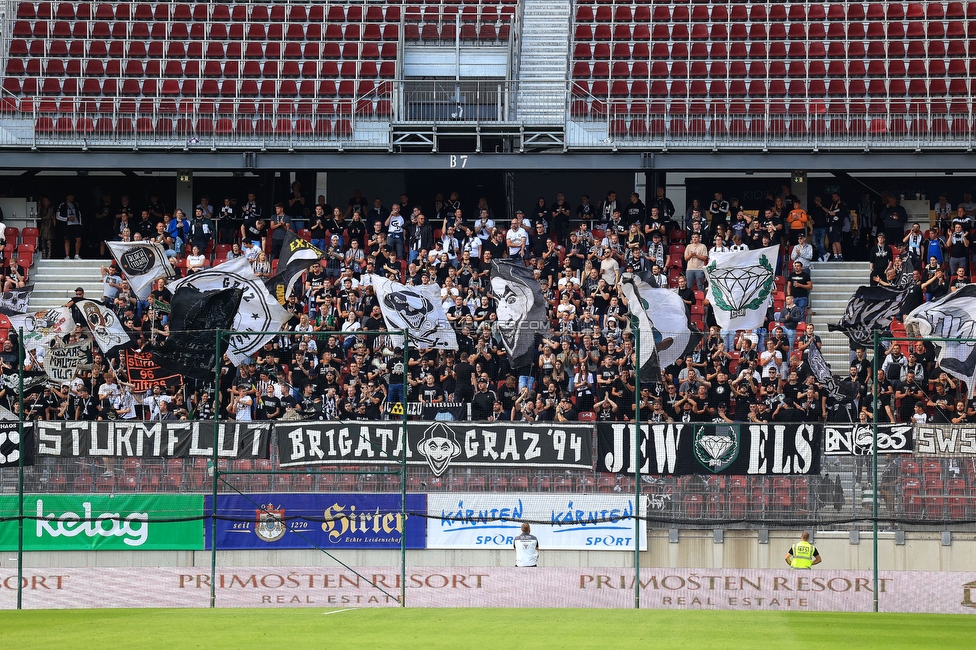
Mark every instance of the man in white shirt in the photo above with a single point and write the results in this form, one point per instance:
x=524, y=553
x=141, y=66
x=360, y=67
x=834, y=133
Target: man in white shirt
x=526, y=548
x=516, y=240
x=802, y=252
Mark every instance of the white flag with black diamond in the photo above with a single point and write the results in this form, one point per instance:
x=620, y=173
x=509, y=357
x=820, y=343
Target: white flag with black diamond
x=740, y=287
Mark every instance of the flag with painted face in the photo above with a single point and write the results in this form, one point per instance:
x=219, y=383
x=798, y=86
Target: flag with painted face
x=259, y=311
x=416, y=309
x=869, y=309
x=141, y=262
x=104, y=325
x=520, y=310
x=953, y=317
x=741, y=286
x=660, y=317
x=15, y=301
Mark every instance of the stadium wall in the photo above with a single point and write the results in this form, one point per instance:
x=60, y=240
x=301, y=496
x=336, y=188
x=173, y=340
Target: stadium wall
x=696, y=548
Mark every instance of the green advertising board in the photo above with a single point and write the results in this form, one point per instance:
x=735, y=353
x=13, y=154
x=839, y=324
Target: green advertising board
x=104, y=522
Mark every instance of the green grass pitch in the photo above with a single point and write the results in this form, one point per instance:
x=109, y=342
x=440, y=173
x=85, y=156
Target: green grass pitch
x=456, y=629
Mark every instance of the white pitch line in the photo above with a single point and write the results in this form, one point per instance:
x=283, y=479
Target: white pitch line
x=339, y=611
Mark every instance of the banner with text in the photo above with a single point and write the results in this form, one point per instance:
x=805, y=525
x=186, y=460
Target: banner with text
x=144, y=372
x=945, y=440
x=679, y=448
x=445, y=411
x=438, y=445
x=570, y=522
x=141, y=439
x=104, y=522
x=780, y=590
x=290, y=521
x=855, y=439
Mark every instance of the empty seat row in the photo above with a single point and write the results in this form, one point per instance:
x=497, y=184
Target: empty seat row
x=660, y=32
x=677, y=88
x=190, y=88
x=216, y=51
x=232, y=70
x=380, y=104
x=796, y=12
x=204, y=12
x=207, y=32
x=721, y=50
x=185, y=127
x=796, y=69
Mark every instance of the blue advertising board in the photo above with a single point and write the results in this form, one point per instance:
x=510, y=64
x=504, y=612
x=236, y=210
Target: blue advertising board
x=297, y=521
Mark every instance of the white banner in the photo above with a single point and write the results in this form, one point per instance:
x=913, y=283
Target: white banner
x=104, y=325
x=581, y=522
x=259, y=311
x=917, y=592
x=41, y=327
x=741, y=286
x=416, y=309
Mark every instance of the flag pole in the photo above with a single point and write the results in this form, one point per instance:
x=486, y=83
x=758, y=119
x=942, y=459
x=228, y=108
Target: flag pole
x=637, y=465
x=874, y=467
x=20, y=468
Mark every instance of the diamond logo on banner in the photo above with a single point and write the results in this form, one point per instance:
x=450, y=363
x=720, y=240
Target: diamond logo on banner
x=737, y=290
x=717, y=450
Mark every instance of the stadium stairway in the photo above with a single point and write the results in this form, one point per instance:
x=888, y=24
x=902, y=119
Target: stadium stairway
x=543, y=61
x=55, y=281
x=833, y=285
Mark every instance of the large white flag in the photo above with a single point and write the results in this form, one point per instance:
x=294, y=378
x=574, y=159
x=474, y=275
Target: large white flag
x=141, y=262
x=953, y=316
x=42, y=326
x=740, y=287
x=259, y=311
x=417, y=309
x=662, y=322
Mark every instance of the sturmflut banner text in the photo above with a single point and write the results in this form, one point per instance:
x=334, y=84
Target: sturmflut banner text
x=139, y=439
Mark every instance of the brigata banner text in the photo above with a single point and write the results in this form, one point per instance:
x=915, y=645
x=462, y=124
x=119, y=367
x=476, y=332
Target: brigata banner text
x=343, y=520
x=438, y=445
x=679, y=448
x=138, y=439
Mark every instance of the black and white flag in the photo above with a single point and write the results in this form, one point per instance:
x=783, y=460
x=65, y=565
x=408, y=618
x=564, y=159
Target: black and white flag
x=259, y=311
x=141, y=262
x=15, y=301
x=952, y=316
x=741, y=286
x=61, y=363
x=869, y=309
x=840, y=392
x=295, y=258
x=41, y=327
x=520, y=309
x=190, y=349
x=104, y=325
x=415, y=309
x=660, y=317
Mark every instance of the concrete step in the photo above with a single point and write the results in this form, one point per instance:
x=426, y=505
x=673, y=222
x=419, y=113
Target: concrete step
x=55, y=281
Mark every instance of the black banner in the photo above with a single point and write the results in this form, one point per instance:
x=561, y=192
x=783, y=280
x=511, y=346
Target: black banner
x=10, y=445
x=139, y=439
x=439, y=445
x=678, y=448
x=855, y=439
x=144, y=373
x=445, y=411
x=945, y=440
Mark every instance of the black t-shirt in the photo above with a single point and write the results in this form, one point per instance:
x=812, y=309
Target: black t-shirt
x=799, y=278
x=880, y=258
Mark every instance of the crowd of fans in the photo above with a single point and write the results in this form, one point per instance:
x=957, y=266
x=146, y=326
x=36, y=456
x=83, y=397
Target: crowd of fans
x=330, y=368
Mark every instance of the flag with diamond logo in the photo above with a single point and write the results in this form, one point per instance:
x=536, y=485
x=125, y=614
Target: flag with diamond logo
x=740, y=287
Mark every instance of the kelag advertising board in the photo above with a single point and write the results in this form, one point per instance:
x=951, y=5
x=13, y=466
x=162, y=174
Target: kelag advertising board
x=565, y=522
x=297, y=521
x=104, y=522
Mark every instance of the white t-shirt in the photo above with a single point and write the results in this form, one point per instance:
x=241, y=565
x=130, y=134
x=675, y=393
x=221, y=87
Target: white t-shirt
x=243, y=413
x=515, y=238
x=526, y=550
